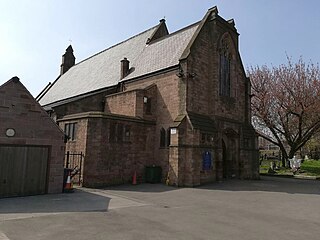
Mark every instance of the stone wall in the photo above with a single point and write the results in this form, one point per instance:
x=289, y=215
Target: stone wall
x=111, y=157
x=94, y=102
x=203, y=89
x=230, y=113
x=164, y=91
x=33, y=126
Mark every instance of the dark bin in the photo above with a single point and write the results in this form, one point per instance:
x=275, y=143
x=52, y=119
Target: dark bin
x=153, y=174
x=66, y=173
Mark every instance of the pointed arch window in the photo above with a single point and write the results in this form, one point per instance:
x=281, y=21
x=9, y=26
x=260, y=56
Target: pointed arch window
x=224, y=69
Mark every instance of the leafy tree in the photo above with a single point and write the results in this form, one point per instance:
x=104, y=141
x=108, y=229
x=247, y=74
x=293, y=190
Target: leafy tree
x=286, y=104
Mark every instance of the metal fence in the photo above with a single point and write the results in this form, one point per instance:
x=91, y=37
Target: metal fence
x=75, y=161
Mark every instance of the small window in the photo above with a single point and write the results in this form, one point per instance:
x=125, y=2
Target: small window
x=112, y=136
x=203, y=138
x=147, y=103
x=120, y=132
x=127, y=133
x=168, y=136
x=162, y=137
x=70, y=131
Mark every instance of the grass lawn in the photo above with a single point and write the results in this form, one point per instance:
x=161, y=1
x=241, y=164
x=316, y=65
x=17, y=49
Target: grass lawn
x=308, y=168
x=312, y=167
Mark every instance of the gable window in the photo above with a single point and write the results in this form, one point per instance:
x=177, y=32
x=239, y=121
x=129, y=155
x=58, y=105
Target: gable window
x=70, y=131
x=224, y=69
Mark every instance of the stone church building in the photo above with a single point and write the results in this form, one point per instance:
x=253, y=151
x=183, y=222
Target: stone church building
x=180, y=101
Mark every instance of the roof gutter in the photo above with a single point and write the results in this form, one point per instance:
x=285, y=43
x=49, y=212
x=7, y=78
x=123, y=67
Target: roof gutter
x=161, y=71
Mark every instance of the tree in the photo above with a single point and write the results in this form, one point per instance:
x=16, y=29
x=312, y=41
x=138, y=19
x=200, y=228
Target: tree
x=286, y=104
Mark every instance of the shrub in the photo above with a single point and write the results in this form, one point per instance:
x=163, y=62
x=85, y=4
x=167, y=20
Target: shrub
x=311, y=166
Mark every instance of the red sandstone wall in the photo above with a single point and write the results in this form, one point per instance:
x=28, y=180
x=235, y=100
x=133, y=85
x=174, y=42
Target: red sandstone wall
x=124, y=103
x=108, y=162
x=33, y=126
x=203, y=89
x=165, y=109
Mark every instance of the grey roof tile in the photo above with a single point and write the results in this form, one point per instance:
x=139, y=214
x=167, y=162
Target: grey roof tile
x=103, y=69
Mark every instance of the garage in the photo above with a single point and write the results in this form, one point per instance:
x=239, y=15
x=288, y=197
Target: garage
x=31, y=145
x=23, y=170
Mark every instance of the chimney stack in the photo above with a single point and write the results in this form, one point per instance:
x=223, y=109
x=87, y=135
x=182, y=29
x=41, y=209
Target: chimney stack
x=68, y=60
x=124, y=71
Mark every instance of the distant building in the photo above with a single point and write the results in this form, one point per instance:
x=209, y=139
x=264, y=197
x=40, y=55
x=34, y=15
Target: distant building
x=180, y=101
x=31, y=145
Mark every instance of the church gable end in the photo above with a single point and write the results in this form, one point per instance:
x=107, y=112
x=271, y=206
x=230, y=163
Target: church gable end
x=178, y=101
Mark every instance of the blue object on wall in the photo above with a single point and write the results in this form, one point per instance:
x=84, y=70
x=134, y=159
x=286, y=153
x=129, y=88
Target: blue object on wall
x=206, y=160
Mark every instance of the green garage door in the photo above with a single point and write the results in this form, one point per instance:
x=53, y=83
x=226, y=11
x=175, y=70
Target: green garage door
x=23, y=170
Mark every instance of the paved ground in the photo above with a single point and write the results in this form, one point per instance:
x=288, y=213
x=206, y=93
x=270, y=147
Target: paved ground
x=272, y=208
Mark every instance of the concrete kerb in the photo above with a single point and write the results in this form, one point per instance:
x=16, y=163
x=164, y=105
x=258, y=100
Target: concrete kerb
x=303, y=177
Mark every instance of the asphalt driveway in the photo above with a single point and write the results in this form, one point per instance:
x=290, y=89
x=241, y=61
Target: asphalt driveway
x=271, y=208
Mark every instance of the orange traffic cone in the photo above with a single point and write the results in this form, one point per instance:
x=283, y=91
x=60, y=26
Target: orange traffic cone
x=68, y=186
x=134, y=178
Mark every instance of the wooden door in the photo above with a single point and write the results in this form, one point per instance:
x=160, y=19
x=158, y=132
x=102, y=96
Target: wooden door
x=23, y=170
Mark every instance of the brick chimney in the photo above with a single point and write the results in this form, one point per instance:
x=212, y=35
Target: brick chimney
x=124, y=71
x=68, y=60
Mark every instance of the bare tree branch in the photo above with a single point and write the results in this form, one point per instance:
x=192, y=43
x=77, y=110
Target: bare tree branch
x=286, y=101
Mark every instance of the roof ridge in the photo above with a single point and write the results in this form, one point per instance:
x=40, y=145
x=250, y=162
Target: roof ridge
x=117, y=44
x=176, y=32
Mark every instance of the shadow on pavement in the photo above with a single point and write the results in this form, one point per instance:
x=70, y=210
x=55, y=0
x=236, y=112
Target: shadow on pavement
x=78, y=201
x=268, y=184
x=265, y=184
x=144, y=188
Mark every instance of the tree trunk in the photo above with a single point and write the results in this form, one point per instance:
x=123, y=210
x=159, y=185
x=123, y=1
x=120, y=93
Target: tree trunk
x=291, y=153
x=283, y=160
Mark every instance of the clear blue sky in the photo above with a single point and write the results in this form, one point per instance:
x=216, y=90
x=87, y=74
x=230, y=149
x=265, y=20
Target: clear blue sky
x=35, y=33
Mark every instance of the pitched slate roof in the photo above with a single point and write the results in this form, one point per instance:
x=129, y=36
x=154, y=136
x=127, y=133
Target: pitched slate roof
x=103, y=69
x=202, y=122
